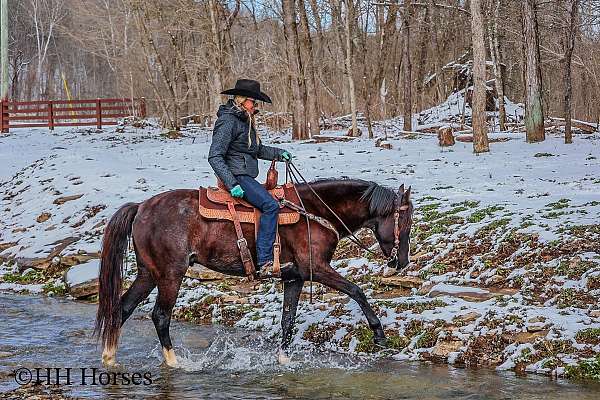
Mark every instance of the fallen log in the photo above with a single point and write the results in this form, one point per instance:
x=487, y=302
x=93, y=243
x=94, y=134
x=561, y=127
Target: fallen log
x=583, y=126
x=323, y=139
x=468, y=138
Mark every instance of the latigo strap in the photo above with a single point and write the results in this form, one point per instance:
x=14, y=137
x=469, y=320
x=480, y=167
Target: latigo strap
x=242, y=243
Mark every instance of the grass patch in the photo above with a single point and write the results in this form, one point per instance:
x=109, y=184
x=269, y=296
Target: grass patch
x=575, y=268
x=574, y=298
x=492, y=226
x=585, y=370
x=557, y=205
x=426, y=340
x=397, y=342
x=543, y=155
x=419, y=307
x=479, y=215
x=466, y=203
x=589, y=335
x=364, y=335
x=56, y=290
x=30, y=277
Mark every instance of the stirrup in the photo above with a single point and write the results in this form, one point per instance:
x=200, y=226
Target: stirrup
x=265, y=270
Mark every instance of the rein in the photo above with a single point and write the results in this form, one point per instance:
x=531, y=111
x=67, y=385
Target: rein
x=291, y=171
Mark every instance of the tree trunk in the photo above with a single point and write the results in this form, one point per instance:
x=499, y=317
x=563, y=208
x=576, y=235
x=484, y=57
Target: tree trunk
x=480, y=139
x=215, y=81
x=497, y=63
x=386, y=32
x=407, y=68
x=424, y=38
x=534, y=112
x=349, y=69
x=299, y=126
x=366, y=76
x=340, y=57
x=571, y=8
x=310, y=75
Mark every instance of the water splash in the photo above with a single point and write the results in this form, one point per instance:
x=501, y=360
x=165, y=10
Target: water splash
x=258, y=354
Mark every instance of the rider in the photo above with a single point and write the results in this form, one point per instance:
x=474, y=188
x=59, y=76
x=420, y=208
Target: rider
x=234, y=154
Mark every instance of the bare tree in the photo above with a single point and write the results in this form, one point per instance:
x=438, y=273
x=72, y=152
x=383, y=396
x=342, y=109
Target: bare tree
x=497, y=64
x=349, y=18
x=534, y=113
x=46, y=15
x=480, y=139
x=299, y=123
x=312, y=98
x=569, y=11
x=407, y=66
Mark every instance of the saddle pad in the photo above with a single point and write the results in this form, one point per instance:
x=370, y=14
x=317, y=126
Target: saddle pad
x=218, y=209
x=217, y=195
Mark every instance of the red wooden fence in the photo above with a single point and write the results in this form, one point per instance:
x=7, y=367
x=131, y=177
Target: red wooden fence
x=52, y=113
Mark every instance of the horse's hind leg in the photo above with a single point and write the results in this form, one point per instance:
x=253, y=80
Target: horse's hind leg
x=139, y=290
x=291, y=295
x=161, y=315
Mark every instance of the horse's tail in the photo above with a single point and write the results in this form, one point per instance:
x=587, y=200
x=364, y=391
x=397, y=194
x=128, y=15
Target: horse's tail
x=114, y=246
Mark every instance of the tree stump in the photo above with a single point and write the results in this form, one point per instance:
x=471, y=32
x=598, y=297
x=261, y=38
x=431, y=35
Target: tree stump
x=384, y=144
x=358, y=132
x=445, y=137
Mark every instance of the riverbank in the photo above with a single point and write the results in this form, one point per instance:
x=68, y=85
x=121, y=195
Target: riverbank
x=218, y=362
x=505, y=248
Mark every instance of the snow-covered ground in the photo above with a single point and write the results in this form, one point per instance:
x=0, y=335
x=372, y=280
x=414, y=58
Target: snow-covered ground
x=506, y=253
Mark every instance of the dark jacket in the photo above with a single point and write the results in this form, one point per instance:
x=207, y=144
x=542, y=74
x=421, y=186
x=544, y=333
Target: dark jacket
x=229, y=153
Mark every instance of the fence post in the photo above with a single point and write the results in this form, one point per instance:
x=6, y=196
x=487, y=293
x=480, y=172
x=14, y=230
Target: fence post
x=51, y=115
x=4, y=117
x=143, y=107
x=98, y=114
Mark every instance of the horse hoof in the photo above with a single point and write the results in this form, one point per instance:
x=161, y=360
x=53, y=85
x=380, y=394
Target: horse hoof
x=109, y=363
x=380, y=341
x=170, y=359
x=283, y=358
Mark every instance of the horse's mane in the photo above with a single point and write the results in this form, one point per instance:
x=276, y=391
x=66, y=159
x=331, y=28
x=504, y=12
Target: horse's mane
x=380, y=198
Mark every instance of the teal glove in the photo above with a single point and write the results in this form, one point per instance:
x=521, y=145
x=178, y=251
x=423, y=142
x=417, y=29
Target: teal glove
x=237, y=191
x=286, y=156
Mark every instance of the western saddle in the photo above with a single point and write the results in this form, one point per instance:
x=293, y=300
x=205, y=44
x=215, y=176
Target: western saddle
x=217, y=203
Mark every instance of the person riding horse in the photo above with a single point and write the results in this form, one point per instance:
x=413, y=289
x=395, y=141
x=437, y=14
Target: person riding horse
x=233, y=155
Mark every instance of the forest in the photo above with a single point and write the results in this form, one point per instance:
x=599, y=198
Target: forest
x=367, y=59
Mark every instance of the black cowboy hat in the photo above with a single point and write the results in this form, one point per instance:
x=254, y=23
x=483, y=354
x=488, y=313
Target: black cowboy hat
x=248, y=88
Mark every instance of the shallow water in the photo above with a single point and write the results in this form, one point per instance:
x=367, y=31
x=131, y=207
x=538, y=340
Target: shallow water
x=235, y=364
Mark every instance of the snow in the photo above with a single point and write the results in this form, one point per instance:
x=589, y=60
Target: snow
x=525, y=182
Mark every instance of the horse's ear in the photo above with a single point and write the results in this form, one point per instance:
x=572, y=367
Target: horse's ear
x=401, y=190
x=406, y=197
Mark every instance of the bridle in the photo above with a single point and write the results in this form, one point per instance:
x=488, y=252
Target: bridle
x=397, y=208
x=294, y=174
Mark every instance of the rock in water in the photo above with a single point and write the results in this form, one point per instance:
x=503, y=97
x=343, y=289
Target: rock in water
x=82, y=280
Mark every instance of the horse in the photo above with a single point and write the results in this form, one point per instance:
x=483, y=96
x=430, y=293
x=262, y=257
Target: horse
x=169, y=234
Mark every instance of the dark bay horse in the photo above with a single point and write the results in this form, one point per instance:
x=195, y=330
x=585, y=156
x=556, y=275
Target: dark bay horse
x=169, y=235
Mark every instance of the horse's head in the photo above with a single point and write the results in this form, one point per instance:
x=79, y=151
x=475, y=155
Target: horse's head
x=392, y=230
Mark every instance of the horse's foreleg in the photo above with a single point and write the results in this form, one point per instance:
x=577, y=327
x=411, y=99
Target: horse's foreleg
x=161, y=316
x=329, y=277
x=291, y=295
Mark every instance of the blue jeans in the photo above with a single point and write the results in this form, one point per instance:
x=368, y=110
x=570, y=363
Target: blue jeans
x=257, y=195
